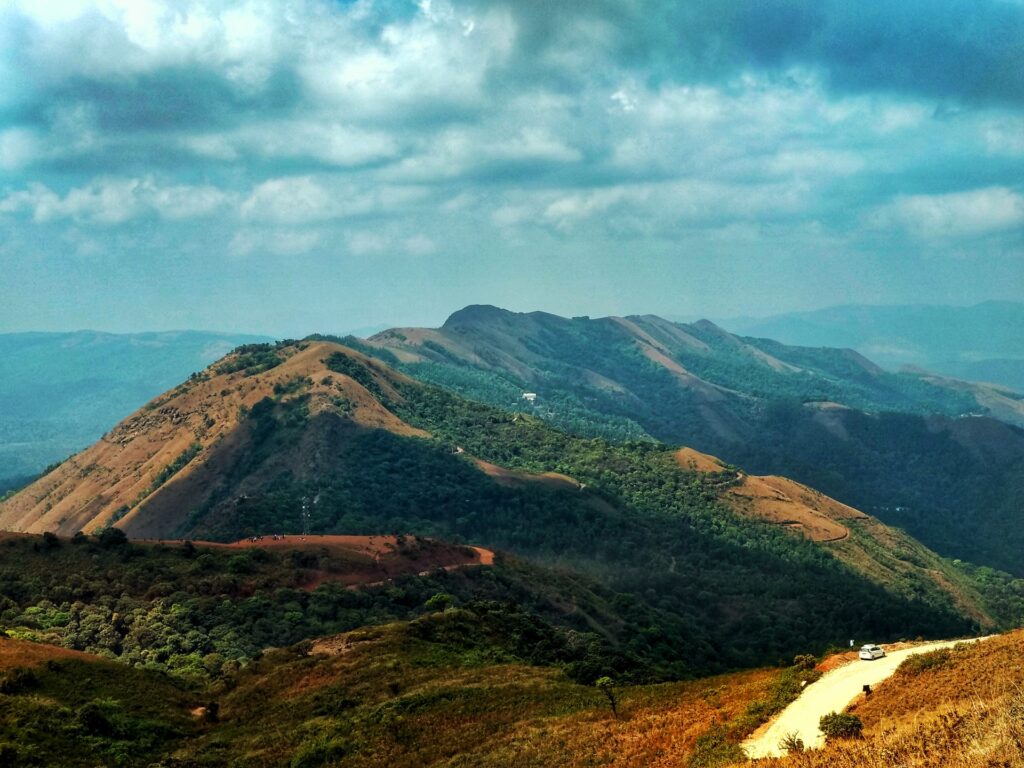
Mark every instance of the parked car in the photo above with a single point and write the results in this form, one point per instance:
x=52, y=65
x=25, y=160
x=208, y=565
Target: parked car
x=871, y=652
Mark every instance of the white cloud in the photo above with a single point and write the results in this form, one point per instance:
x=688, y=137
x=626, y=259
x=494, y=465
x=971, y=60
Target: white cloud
x=111, y=201
x=279, y=242
x=298, y=199
x=362, y=243
x=18, y=147
x=322, y=140
x=420, y=245
x=290, y=200
x=958, y=214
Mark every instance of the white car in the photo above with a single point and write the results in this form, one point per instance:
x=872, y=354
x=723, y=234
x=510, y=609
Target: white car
x=871, y=652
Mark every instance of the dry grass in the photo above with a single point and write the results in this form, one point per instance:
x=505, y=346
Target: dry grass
x=966, y=710
x=22, y=653
x=92, y=488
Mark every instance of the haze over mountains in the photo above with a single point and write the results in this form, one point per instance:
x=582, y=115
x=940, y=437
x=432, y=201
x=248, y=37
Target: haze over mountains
x=618, y=556
x=982, y=342
x=60, y=391
x=313, y=435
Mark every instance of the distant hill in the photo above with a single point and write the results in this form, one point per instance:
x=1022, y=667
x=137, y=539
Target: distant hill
x=61, y=391
x=980, y=343
x=280, y=438
x=917, y=450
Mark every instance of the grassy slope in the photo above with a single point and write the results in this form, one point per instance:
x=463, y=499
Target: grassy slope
x=947, y=709
x=728, y=592
x=626, y=378
x=438, y=692
x=66, y=709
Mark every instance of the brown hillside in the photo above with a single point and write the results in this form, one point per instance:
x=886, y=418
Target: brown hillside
x=785, y=502
x=959, y=708
x=510, y=477
x=16, y=653
x=884, y=555
x=117, y=480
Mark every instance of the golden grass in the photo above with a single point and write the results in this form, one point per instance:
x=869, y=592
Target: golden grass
x=964, y=711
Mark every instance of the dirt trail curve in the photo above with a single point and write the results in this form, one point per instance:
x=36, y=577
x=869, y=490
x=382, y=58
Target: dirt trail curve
x=832, y=693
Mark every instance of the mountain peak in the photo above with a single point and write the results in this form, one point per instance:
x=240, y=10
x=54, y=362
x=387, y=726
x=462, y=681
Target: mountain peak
x=475, y=314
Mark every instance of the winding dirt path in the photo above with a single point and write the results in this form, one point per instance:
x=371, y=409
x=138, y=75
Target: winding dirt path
x=832, y=693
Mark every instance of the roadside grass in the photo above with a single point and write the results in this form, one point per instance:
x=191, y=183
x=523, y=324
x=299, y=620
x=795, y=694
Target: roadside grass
x=957, y=708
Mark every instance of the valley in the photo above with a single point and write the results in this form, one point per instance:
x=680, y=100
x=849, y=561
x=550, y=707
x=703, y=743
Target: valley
x=299, y=510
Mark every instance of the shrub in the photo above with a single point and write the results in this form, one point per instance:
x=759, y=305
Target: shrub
x=17, y=680
x=805, y=661
x=439, y=602
x=792, y=743
x=840, y=725
x=93, y=719
x=920, y=662
x=321, y=752
x=112, y=537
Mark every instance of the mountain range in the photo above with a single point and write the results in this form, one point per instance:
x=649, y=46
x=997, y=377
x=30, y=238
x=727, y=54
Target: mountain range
x=980, y=342
x=313, y=436
x=422, y=547
x=941, y=458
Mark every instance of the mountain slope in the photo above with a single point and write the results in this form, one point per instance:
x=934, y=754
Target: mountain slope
x=980, y=342
x=953, y=708
x=276, y=438
x=60, y=391
x=191, y=435
x=893, y=445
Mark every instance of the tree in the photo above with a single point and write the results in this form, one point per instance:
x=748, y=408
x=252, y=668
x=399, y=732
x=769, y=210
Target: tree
x=112, y=537
x=792, y=743
x=607, y=686
x=442, y=601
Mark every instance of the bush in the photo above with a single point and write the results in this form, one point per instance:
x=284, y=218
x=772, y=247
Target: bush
x=805, y=661
x=792, y=743
x=112, y=537
x=439, y=602
x=840, y=725
x=93, y=720
x=17, y=680
x=920, y=662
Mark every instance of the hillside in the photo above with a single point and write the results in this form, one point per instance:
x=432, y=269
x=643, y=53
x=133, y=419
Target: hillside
x=60, y=391
x=67, y=708
x=955, y=708
x=275, y=438
x=447, y=688
x=201, y=611
x=979, y=343
x=893, y=445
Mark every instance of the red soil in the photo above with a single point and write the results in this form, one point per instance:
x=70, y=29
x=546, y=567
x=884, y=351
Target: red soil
x=22, y=653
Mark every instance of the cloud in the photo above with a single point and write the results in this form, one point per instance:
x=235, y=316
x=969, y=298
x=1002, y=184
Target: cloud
x=363, y=243
x=349, y=130
x=933, y=48
x=972, y=213
x=301, y=199
x=275, y=241
x=18, y=147
x=112, y=201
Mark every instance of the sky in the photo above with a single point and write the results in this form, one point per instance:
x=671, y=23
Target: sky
x=316, y=166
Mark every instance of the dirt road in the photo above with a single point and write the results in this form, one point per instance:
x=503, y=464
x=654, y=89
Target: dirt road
x=832, y=693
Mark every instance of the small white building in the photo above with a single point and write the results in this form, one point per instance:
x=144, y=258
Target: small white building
x=529, y=396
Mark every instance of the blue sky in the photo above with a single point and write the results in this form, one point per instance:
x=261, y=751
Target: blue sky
x=290, y=167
